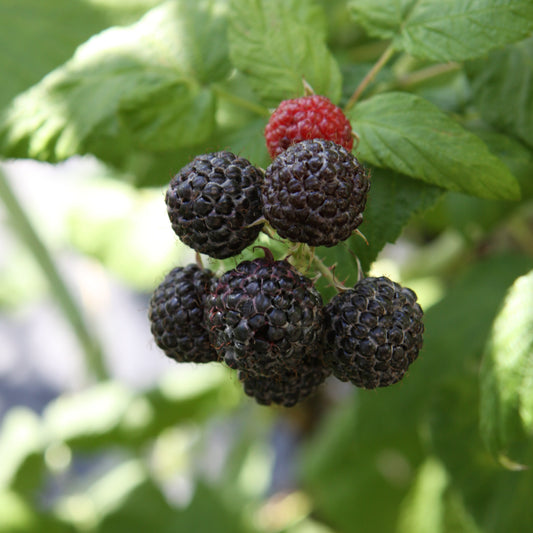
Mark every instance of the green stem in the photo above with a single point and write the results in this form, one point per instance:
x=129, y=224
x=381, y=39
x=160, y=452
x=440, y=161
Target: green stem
x=371, y=74
x=241, y=102
x=28, y=235
x=328, y=274
x=420, y=76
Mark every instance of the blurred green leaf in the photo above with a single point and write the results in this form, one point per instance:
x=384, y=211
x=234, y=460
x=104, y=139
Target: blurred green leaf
x=37, y=36
x=423, y=508
x=129, y=501
x=117, y=85
x=277, y=43
x=146, y=508
x=494, y=497
x=501, y=85
x=21, y=448
x=209, y=509
x=506, y=408
x=110, y=413
x=361, y=465
x=19, y=516
x=410, y=135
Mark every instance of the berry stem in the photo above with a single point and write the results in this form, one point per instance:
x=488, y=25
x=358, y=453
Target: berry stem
x=371, y=74
x=328, y=274
x=27, y=234
x=241, y=102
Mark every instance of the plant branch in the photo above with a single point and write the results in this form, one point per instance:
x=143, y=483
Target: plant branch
x=27, y=234
x=371, y=74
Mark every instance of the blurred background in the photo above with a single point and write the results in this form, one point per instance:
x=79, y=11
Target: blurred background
x=99, y=431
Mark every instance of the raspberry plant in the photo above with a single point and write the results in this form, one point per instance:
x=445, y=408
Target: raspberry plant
x=438, y=98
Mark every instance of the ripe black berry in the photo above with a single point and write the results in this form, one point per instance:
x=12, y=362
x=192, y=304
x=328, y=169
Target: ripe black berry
x=213, y=203
x=265, y=318
x=315, y=192
x=176, y=314
x=373, y=333
x=285, y=388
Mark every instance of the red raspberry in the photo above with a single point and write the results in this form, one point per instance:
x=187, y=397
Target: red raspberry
x=306, y=118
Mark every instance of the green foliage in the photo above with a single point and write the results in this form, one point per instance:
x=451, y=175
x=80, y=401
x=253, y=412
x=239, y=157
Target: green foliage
x=506, y=411
x=452, y=31
x=408, y=134
x=55, y=28
x=364, y=461
x=439, y=95
x=276, y=44
x=501, y=85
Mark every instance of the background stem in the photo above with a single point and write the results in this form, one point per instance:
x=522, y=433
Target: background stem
x=23, y=227
x=371, y=74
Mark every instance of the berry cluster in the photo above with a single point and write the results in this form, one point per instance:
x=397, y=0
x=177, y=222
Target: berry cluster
x=264, y=318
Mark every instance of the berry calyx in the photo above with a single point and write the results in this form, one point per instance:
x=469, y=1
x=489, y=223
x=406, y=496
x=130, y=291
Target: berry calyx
x=306, y=118
x=176, y=314
x=315, y=193
x=373, y=332
x=214, y=204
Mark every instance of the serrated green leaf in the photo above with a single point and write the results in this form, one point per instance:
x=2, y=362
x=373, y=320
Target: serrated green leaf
x=454, y=30
x=380, y=19
x=501, y=86
x=277, y=43
x=117, y=84
x=54, y=28
x=506, y=402
x=463, y=29
x=410, y=135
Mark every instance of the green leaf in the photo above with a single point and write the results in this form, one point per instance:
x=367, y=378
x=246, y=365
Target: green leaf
x=463, y=29
x=54, y=28
x=501, y=86
x=410, y=135
x=506, y=402
x=454, y=30
x=277, y=43
x=380, y=19
x=473, y=216
x=136, y=87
